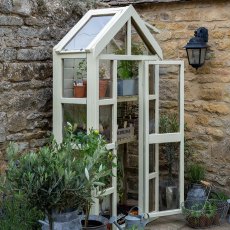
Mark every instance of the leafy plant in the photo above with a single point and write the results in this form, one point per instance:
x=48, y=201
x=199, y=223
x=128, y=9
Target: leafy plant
x=16, y=211
x=169, y=124
x=196, y=173
x=61, y=176
x=128, y=69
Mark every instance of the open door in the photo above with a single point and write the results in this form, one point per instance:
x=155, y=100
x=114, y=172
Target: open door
x=163, y=147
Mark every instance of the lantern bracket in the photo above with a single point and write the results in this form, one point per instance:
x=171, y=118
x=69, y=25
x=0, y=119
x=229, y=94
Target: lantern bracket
x=202, y=33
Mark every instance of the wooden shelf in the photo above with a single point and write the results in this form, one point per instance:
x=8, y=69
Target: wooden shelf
x=126, y=140
x=127, y=98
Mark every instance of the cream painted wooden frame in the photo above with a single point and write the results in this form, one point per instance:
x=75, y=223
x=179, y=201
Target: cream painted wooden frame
x=157, y=138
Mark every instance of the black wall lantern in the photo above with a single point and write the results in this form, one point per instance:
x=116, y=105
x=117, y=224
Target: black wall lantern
x=196, y=47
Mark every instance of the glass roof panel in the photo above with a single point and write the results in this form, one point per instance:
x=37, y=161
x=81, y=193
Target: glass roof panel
x=88, y=32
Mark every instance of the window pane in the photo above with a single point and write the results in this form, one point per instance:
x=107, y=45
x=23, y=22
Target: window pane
x=88, y=32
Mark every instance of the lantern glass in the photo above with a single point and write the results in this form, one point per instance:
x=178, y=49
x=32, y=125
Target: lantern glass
x=196, y=56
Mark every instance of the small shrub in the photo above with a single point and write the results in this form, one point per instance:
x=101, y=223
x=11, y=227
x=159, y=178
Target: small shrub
x=196, y=173
x=16, y=212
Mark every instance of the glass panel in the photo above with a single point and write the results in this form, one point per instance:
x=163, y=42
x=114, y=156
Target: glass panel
x=105, y=206
x=151, y=79
x=138, y=45
x=118, y=44
x=202, y=55
x=76, y=115
x=152, y=204
x=88, y=32
x=127, y=115
x=194, y=56
x=105, y=122
x=169, y=99
x=169, y=176
x=152, y=116
x=152, y=158
x=74, y=77
x=106, y=79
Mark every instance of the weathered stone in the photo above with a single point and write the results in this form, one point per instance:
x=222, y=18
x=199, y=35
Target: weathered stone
x=211, y=94
x=17, y=72
x=192, y=107
x=28, y=32
x=17, y=122
x=3, y=124
x=8, y=54
x=6, y=6
x=217, y=108
x=38, y=142
x=23, y=7
x=5, y=32
x=10, y=21
x=202, y=119
x=164, y=35
x=34, y=54
x=215, y=133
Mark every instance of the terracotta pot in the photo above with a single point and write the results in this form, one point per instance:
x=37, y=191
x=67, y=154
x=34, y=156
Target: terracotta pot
x=103, y=84
x=80, y=90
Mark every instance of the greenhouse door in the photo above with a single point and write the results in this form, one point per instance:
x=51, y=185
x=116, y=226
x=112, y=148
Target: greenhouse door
x=163, y=140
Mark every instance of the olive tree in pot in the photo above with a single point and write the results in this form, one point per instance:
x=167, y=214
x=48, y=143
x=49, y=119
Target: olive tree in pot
x=59, y=177
x=98, y=163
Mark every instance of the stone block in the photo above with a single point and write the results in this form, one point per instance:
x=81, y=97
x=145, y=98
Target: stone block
x=41, y=54
x=5, y=32
x=21, y=72
x=17, y=122
x=28, y=32
x=10, y=21
x=6, y=6
x=8, y=54
x=215, y=133
x=202, y=119
x=218, y=108
x=211, y=94
x=23, y=7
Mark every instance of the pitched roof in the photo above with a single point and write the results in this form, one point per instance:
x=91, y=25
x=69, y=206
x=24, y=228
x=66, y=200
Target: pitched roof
x=126, y=2
x=84, y=38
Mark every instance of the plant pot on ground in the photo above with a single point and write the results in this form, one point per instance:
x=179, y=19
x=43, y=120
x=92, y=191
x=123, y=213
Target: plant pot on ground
x=196, y=174
x=60, y=177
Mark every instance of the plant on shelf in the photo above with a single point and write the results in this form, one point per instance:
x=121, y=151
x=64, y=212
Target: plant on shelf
x=61, y=177
x=128, y=69
x=103, y=80
x=127, y=72
x=80, y=82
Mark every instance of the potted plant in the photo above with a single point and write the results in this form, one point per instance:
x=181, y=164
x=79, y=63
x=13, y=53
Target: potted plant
x=127, y=83
x=103, y=81
x=98, y=164
x=79, y=83
x=196, y=174
x=60, y=177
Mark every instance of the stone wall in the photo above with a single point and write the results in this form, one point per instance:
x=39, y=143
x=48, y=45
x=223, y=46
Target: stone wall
x=28, y=31
x=207, y=90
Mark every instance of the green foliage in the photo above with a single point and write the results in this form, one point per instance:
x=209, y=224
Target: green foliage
x=210, y=209
x=219, y=196
x=196, y=173
x=169, y=124
x=16, y=211
x=81, y=69
x=128, y=69
x=61, y=176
